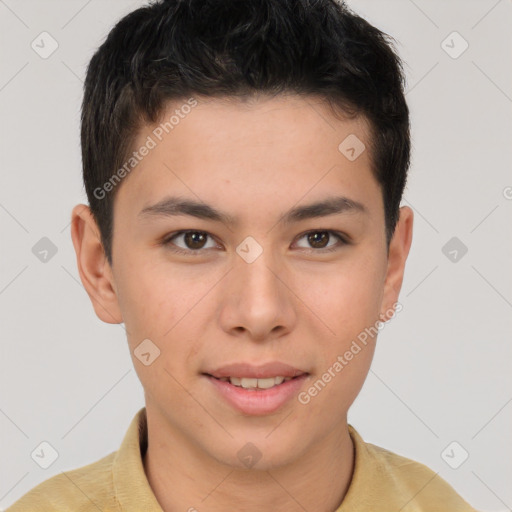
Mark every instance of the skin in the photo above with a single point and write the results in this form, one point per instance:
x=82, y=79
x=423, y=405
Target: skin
x=254, y=160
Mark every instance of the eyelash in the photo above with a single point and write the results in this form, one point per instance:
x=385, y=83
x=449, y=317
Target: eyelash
x=167, y=242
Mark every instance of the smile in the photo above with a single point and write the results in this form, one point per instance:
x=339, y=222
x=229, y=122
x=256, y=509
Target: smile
x=257, y=396
x=254, y=384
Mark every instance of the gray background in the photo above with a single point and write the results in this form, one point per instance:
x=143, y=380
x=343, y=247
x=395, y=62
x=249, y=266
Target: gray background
x=441, y=372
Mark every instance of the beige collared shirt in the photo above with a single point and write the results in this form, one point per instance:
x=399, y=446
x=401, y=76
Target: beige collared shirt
x=382, y=482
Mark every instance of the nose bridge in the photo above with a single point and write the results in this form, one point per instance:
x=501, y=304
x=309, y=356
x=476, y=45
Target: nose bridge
x=257, y=300
x=259, y=284
x=257, y=274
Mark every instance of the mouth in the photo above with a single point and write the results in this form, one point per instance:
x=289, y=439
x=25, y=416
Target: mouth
x=254, y=384
x=256, y=390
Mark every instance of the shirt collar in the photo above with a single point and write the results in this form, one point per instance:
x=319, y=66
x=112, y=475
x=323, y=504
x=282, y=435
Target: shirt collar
x=131, y=486
x=134, y=493
x=360, y=495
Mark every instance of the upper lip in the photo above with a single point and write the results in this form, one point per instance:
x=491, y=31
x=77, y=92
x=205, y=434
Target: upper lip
x=271, y=369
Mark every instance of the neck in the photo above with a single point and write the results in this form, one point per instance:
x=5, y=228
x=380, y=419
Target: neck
x=184, y=479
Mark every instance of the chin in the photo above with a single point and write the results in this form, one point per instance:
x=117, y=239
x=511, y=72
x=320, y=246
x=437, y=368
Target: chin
x=260, y=452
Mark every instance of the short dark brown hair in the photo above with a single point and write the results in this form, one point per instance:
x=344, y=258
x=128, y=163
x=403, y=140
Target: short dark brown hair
x=174, y=49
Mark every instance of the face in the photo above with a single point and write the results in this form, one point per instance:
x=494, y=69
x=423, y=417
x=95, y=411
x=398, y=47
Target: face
x=222, y=261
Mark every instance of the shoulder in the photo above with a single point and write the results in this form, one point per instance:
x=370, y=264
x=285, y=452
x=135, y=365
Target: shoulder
x=89, y=487
x=426, y=490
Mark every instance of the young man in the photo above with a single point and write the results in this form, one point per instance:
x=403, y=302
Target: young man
x=244, y=163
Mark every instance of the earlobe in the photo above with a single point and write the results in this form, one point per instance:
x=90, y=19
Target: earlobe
x=93, y=267
x=398, y=252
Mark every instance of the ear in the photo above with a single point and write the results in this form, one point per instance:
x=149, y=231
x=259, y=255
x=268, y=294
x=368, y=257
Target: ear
x=398, y=252
x=93, y=267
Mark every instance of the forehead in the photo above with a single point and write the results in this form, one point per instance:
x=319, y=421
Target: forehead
x=253, y=153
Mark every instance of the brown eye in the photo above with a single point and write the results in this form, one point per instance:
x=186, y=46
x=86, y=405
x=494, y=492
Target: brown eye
x=323, y=241
x=318, y=239
x=189, y=242
x=194, y=240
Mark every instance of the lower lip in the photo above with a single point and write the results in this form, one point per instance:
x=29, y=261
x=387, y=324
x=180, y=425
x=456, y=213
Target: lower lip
x=260, y=401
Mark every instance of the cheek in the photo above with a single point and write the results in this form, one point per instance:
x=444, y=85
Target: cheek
x=162, y=304
x=147, y=296
x=349, y=304
x=340, y=384
x=348, y=299
x=145, y=306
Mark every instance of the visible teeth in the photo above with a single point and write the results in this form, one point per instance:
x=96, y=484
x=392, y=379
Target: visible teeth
x=251, y=383
x=266, y=383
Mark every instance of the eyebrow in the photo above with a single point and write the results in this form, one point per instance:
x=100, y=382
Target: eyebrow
x=176, y=206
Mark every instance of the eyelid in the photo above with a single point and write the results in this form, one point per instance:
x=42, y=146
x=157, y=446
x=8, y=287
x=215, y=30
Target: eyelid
x=167, y=241
x=342, y=238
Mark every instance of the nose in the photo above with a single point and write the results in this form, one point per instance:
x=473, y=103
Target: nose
x=257, y=304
